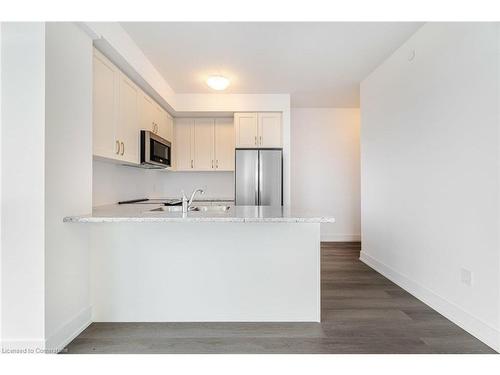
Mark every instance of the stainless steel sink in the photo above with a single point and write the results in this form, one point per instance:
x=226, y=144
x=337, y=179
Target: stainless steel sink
x=210, y=208
x=192, y=208
x=167, y=209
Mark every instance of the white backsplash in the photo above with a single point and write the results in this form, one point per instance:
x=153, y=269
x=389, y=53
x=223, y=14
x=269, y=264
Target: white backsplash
x=114, y=182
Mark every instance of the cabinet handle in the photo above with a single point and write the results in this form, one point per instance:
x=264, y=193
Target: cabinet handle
x=123, y=148
x=212, y=164
x=260, y=137
x=217, y=164
x=117, y=147
x=191, y=163
x=255, y=140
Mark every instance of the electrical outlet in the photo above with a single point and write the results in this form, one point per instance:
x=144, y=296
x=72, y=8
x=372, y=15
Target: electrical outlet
x=466, y=276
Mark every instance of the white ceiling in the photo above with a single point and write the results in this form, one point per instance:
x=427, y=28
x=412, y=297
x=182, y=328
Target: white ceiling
x=319, y=64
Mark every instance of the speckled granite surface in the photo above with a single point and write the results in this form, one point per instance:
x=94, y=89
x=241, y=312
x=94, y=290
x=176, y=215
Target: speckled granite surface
x=240, y=214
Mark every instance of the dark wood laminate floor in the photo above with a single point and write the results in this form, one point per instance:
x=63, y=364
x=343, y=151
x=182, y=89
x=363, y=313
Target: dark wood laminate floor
x=362, y=312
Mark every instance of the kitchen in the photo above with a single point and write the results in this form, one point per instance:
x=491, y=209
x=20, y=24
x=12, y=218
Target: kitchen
x=169, y=196
x=248, y=145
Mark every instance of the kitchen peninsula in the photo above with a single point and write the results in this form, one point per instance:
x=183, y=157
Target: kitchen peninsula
x=220, y=263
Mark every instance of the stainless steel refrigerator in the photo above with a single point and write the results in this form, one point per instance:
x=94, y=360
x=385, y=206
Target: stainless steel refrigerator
x=259, y=177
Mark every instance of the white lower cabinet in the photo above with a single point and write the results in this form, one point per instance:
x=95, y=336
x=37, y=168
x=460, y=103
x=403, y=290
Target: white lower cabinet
x=204, y=144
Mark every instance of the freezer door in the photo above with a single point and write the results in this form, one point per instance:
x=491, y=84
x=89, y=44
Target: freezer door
x=247, y=178
x=270, y=178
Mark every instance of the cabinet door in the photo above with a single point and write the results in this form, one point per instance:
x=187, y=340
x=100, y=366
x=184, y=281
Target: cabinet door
x=147, y=112
x=169, y=132
x=104, y=110
x=128, y=120
x=246, y=129
x=269, y=130
x=183, y=144
x=204, y=159
x=224, y=144
x=163, y=125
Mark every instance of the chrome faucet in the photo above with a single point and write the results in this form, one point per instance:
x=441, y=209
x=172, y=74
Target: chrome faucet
x=186, y=204
x=192, y=196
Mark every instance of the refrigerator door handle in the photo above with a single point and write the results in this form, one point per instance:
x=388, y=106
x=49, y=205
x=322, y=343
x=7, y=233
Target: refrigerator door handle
x=261, y=178
x=257, y=179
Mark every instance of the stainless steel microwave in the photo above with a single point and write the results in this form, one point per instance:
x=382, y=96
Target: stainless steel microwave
x=155, y=151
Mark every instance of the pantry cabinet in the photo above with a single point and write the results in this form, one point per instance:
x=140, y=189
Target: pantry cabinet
x=204, y=144
x=120, y=110
x=258, y=130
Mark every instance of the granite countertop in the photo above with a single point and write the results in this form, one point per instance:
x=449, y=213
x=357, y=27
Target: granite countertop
x=240, y=214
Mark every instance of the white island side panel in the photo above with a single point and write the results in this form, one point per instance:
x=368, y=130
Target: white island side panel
x=205, y=272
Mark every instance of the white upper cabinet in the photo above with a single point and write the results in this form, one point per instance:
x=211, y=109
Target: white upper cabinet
x=169, y=129
x=128, y=120
x=270, y=130
x=204, y=144
x=224, y=144
x=165, y=124
x=105, y=105
x=204, y=156
x=258, y=130
x=147, y=113
x=183, y=144
x=246, y=129
x=120, y=110
x=155, y=119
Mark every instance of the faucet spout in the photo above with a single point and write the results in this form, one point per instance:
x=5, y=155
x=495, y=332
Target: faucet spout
x=201, y=191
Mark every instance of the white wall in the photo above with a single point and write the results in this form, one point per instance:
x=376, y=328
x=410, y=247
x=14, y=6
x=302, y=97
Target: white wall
x=429, y=167
x=68, y=180
x=22, y=200
x=113, y=183
x=325, y=167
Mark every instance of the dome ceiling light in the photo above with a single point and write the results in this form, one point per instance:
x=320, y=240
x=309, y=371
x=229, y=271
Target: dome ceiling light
x=218, y=83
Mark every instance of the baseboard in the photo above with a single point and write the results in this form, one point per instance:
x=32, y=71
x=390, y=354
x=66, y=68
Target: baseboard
x=68, y=331
x=476, y=327
x=329, y=237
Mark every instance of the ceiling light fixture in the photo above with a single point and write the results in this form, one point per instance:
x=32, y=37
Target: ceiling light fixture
x=218, y=83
